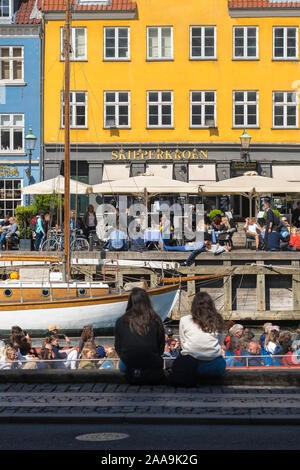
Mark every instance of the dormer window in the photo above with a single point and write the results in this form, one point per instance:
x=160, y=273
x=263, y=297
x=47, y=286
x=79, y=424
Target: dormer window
x=5, y=9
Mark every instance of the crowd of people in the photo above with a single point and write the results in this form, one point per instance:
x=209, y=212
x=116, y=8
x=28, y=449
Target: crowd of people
x=147, y=352
x=125, y=232
x=273, y=348
x=17, y=351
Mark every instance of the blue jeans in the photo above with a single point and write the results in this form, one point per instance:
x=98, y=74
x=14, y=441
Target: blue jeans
x=122, y=367
x=194, y=254
x=214, y=367
x=2, y=240
x=38, y=239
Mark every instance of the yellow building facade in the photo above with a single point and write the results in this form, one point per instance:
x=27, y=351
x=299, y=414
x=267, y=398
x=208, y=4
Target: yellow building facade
x=175, y=83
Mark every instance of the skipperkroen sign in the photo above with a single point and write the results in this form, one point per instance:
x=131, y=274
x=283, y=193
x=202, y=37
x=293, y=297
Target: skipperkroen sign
x=159, y=155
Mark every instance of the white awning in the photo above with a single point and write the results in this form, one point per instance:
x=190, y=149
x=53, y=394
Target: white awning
x=200, y=173
x=287, y=172
x=115, y=172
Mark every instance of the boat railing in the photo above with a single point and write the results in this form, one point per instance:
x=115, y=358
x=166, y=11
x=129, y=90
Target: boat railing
x=113, y=363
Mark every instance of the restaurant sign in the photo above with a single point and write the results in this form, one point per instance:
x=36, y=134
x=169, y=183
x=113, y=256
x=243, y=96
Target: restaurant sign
x=159, y=155
x=7, y=171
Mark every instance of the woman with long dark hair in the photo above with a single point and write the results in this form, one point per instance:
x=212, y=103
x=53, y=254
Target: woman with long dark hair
x=140, y=339
x=201, y=337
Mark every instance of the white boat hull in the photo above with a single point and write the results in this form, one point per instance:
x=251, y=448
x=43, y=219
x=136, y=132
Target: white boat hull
x=101, y=315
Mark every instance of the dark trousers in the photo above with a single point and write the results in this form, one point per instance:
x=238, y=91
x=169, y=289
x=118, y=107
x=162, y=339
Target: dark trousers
x=194, y=254
x=38, y=239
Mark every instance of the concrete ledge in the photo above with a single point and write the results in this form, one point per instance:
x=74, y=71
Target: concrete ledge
x=238, y=377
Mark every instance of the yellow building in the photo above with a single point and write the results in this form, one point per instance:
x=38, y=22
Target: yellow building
x=169, y=87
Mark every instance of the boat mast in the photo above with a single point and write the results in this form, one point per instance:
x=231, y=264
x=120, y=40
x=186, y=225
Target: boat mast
x=67, y=140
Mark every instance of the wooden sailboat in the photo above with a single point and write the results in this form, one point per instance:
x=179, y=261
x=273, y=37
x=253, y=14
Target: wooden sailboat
x=34, y=304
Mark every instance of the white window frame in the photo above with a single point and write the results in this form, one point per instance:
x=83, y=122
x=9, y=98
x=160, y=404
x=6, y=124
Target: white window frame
x=245, y=37
x=159, y=37
x=285, y=29
x=203, y=56
x=117, y=105
x=10, y=212
x=245, y=103
x=160, y=103
x=73, y=105
x=116, y=56
x=11, y=129
x=285, y=104
x=11, y=59
x=6, y=18
x=203, y=103
x=72, y=42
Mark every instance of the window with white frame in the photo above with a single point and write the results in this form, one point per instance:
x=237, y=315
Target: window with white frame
x=285, y=109
x=11, y=63
x=159, y=109
x=116, y=43
x=78, y=109
x=245, y=109
x=10, y=196
x=285, y=43
x=245, y=42
x=12, y=133
x=5, y=8
x=203, y=43
x=116, y=109
x=202, y=108
x=78, y=44
x=160, y=43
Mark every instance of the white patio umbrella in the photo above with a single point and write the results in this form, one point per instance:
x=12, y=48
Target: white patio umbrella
x=56, y=186
x=251, y=186
x=147, y=184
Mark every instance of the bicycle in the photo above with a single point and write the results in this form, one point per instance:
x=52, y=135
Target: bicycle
x=55, y=241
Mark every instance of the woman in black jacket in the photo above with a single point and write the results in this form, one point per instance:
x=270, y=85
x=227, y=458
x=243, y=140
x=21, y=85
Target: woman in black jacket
x=140, y=340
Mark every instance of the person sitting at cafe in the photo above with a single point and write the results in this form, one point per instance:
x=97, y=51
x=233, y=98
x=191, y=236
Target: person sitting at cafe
x=216, y=222
x=225, y=232
x=117, y=240
x=273, y=240
x=251, y=228
x=4, y=222
x=8, y=231
x=137, y=240
x=294, y=242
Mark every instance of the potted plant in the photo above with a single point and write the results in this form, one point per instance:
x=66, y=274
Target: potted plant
x=24, y=214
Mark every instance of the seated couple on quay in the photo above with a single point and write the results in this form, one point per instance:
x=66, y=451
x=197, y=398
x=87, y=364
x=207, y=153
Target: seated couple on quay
x=140, y=342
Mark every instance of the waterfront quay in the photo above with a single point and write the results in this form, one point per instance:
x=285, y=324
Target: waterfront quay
x=256, y=286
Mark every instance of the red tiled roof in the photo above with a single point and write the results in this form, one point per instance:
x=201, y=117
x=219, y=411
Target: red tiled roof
x=262, y=4
x=24, y=12
x=115, y=5
x=26, y=6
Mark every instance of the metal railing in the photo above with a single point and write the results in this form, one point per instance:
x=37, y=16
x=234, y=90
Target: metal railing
x=74, y=364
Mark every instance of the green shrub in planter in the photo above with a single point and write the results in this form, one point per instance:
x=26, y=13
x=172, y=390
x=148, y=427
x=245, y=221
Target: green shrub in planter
x=275, y=211
x=24, y=214
x=213, y=213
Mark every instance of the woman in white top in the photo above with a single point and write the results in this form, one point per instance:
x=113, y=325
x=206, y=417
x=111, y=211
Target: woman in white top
x=201, y=336
x=251, y=228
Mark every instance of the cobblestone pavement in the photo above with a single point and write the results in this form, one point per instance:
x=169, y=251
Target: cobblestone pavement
x=97, y=401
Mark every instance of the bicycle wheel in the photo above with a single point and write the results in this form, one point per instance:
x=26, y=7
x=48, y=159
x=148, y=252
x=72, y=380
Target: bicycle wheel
x=50, y=245
x=79, y=244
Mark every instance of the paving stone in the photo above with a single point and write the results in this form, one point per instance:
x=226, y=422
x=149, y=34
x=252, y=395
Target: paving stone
x=99, y=387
